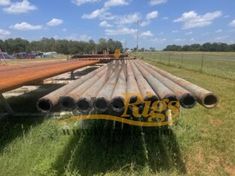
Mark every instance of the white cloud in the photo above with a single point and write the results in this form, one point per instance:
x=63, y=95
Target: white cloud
x=192, y=20
x=20, y=7
x=152, y=15
x=159, y=40
x=4, y=33
x=121, y=31
x=112, y=3
x=146, y=34
x=85, y=38
x=105, y=24
x=96, y=13
x=232, y=23
x=144, y=23
x=128, y=19
x=149, y=17
x=5, y=2
x=156, y=2
x=55, y=22
x=81, y=2
x=24, y=26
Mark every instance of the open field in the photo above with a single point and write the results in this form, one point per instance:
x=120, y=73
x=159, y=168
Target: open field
x=214, y=63
x=37, y=60
x=202, y=143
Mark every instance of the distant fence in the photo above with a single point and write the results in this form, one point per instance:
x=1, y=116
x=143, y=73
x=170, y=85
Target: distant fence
x=218, y=64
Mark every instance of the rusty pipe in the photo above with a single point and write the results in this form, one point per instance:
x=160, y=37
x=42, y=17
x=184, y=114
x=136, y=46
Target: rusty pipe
x=102, y=101
x=187, y=100
x=40, y=74
x=46, y=103
x=145, y=89
x=160, y=89
x=118, y=101
x=206, y=98
x=85, y=101
x=133, y=92
x=68, y=101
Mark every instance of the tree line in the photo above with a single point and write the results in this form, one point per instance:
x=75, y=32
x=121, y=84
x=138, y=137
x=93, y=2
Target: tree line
x=17, y=45
x=202, y=47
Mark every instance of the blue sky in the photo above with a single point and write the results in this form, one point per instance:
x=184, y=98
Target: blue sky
x=159, y=22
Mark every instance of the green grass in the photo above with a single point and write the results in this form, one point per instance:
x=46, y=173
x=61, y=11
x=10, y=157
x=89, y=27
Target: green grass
x=214, y=63
x=202, y=143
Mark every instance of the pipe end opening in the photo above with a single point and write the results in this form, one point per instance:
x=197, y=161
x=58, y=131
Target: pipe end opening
x=118, y=104
x=187, y=101
x=101, y=104
x=84, y=105
x=67, y=103
x=210, y=101
x=44, y=105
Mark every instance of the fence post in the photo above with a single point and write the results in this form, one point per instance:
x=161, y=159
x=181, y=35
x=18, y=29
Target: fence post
x=169, y=59
x=182, y=57
x=202, y=62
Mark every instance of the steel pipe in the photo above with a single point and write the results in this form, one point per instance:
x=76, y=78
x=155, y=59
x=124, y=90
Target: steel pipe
x=206, y=98
x=160, y=89
x=85, y=101
x=46, y=103
x=68, y=102
x=133, y=92
x=119, y=94
x=187, y=100
x=144, y=87
x=102, y=101
x=19, y=80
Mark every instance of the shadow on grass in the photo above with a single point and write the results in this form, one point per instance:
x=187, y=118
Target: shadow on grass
x=102, y=149
x=26, y=115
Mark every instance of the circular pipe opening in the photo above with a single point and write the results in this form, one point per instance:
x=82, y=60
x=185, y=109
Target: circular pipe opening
x=44, y=105
x=84, y=105
x=101, y=104
x=210, y=101
x=133, y=99
x=117, y=104
x=67, y=103
x=187, y=101
x=171, y=97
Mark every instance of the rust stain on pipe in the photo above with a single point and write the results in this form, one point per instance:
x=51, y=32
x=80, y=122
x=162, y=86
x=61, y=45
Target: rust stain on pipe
x=204, y=97
x=37, y=74
x=187, y=100
x=119, y=94
x=103, y=99
x=46, y=103
x=144, y=87
x=160, y=89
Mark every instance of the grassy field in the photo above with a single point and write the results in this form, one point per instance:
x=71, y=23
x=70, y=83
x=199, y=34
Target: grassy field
x=217, y=63
x=202, y=143
x=29, y=61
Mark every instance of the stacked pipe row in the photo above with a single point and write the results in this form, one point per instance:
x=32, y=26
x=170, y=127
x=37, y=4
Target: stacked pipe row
x=110, y=87
x=89, y=56
x=12, y=77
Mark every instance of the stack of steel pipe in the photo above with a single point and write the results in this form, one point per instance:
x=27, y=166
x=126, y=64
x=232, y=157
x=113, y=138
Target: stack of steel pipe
x=13, y=77
x=111, y=87
x=90, y=56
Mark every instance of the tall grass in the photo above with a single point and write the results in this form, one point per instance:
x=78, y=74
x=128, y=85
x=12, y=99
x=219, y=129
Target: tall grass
x=217, y=64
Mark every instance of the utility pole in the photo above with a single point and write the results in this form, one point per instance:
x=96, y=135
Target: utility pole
x=137, y=35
